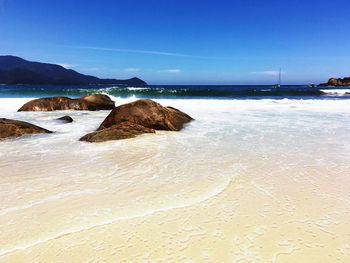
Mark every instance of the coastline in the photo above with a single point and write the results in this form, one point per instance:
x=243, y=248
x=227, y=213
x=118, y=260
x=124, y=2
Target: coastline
x=174, y=132
x=242, y=182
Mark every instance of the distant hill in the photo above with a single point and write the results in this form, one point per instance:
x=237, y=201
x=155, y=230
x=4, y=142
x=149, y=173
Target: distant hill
x=15, y=70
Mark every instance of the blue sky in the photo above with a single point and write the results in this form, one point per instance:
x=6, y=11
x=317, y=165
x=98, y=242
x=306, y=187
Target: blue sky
x=184, y=42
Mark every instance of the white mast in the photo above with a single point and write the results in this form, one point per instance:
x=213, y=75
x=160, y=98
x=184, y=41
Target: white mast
x=279, y=78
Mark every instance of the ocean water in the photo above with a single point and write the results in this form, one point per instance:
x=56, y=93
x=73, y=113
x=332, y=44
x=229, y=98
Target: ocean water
x=261, y=175
x=182, y=91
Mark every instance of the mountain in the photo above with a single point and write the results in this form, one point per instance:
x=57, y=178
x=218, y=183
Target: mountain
x=337, y=82
x=15, y=70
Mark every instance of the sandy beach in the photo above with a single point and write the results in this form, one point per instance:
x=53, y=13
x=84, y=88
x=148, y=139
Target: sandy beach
x=248, y=181
x=174, y=131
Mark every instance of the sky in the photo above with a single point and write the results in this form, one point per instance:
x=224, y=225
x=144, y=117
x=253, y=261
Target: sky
x=184, y=42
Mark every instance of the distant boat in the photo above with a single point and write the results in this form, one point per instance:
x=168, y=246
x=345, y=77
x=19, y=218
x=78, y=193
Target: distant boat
x=311, y=85
x=279, y=81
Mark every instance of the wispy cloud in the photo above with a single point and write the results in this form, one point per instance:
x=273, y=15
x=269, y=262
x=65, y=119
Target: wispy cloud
x=132, y=69
x=175, y=70
x=267, y=72
x=65, y=65
x=152, y=52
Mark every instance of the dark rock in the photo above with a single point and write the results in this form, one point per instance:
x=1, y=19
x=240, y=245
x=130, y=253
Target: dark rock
x=149, y=114
x=337, y=82
x=15, y=70
x=66, y=119
x=14, y=128
x=91, y=102
x=123, y=130
x=132, y=119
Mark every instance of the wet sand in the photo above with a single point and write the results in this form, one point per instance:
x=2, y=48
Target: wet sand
x=283, y=216
x=272, y=196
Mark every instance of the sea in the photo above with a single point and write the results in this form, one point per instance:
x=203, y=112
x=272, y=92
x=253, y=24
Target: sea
x=262, y=174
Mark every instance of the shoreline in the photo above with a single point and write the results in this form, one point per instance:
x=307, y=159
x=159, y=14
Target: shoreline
x=242, y=182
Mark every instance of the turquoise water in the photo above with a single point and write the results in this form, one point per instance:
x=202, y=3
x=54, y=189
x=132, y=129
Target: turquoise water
x=183, y=92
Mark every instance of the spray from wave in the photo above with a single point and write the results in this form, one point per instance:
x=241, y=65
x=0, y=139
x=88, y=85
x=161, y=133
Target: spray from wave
x=173, y=92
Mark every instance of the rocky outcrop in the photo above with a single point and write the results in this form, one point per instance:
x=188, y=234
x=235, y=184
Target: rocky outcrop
x=14, y=128
x=135, y=118
x=337, y=82
x=91, y=102
x=65, y=119
x=123, y=130
x=149, y=114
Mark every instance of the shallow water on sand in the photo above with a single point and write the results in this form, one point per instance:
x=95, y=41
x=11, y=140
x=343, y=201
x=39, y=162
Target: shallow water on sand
x=248, y=181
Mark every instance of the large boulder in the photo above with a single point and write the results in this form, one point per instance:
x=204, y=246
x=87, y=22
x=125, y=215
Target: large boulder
x=91, y=102
x=14, y=128
x=123, y=130
x=135, y=118
x=149, y=114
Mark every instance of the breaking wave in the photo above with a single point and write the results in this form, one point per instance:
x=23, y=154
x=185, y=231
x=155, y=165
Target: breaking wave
x=173, y=92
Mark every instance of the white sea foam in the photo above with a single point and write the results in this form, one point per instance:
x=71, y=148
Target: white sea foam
x=336, y=92
x=137, y=88
x=10, y=105
x=156, y=172
x=119, y=101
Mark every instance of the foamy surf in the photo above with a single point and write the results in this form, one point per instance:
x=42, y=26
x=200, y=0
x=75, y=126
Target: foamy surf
x=336, y=92
x=171, y=92
x=244, y=175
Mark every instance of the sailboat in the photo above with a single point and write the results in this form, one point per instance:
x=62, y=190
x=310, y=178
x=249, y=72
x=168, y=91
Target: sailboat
x=279, y=81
